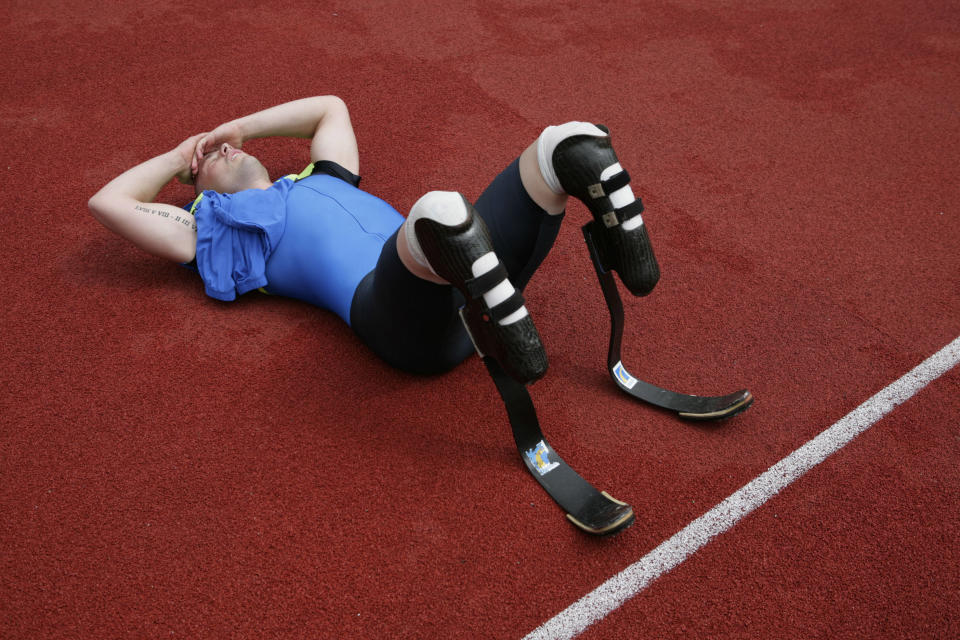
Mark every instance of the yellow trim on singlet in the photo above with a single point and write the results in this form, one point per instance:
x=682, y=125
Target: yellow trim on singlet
x=193, y=207
x=303, y=174
x=306, y=172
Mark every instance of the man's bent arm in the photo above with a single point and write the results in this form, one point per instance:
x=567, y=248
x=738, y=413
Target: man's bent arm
x=125, y=206
x=325, y=119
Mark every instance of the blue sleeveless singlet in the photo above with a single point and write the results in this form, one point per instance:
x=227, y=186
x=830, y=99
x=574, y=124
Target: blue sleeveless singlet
x=312, y=237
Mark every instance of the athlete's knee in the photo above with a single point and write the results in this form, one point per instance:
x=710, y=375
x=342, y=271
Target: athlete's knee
x=446, y=207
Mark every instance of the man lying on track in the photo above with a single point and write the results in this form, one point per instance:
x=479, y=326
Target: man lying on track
x=399, y=283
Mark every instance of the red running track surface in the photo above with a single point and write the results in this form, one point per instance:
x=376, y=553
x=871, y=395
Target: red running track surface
x=176, y=467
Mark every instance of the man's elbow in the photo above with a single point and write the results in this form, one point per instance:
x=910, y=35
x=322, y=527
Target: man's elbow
x=333, y=104
x=104, y=208
x=96, y=206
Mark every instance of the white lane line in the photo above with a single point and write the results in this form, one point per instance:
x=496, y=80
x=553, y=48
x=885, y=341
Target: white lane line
x=614, y=592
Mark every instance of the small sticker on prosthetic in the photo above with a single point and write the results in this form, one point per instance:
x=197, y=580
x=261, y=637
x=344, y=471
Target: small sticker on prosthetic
x=539, y=457
x=624, y=376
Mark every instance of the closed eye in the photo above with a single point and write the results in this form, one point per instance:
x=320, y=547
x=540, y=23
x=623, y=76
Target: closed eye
x=206, y=158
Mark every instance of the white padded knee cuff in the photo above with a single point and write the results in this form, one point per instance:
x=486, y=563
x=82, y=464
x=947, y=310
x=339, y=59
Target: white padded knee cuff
x=548, y=141
x=445, y=207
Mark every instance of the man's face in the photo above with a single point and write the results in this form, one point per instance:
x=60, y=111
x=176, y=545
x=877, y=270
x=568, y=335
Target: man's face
x=227, y=169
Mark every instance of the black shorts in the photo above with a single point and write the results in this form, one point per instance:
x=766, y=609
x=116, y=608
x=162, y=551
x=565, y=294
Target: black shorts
x=413, y=324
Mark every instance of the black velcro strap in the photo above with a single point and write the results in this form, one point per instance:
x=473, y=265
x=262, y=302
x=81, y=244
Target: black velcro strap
x=478, y=286
x=508, y=306
x=616, y=182
x=632, y=209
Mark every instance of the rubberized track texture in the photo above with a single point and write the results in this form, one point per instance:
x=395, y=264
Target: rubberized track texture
x=172, y=466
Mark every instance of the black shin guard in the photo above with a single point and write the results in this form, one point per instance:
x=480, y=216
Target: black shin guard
x=579, y=162
x=451, y=252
